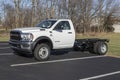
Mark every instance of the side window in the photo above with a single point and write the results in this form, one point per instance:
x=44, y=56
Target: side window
x=63, y=25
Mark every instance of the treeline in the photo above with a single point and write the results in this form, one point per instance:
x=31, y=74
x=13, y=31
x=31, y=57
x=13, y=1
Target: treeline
x=87, y=15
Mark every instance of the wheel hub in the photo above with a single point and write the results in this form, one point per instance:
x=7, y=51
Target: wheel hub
x=103, y=48
x=43, y=52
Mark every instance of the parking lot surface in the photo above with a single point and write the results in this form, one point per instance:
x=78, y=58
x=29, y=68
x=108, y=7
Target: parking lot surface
x=62, y=65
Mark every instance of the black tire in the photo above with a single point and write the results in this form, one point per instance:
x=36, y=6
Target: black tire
x=75, y=48
x=42, y=52
x=100, y=48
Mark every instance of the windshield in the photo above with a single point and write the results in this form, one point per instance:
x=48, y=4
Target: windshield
x=46, y=24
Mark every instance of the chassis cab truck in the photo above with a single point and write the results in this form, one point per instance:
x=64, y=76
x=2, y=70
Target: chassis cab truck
x=50, y=35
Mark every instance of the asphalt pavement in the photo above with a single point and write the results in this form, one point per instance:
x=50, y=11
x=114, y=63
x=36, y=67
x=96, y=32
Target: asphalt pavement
x=62, y=65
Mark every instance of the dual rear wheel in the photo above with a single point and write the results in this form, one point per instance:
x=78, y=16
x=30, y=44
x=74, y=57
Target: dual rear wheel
x=100, y=48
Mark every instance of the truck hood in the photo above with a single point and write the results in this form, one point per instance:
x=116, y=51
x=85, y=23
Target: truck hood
x=30, y=29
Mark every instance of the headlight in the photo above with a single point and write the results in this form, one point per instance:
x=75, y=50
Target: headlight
x=26, y=37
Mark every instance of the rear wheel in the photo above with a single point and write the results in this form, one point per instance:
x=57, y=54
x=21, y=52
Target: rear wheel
x=100, y=48
x=42, y=51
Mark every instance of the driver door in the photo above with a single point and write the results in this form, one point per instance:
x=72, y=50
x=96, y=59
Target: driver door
x=62, y=35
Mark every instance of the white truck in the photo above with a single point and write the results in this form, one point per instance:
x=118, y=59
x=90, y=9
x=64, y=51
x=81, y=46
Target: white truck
x=53, y=34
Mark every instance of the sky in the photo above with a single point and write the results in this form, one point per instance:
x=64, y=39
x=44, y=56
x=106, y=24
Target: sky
x=8, y=2
x=26, y=4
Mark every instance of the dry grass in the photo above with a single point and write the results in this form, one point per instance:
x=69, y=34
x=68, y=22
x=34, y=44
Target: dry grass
x=4, y=36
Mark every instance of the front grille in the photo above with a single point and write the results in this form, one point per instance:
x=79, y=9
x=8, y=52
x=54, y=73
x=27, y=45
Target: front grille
x=15, y=35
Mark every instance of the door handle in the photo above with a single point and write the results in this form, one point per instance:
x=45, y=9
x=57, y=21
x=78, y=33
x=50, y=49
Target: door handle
x=69, y=32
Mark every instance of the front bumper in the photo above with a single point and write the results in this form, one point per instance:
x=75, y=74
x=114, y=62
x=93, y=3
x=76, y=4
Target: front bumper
x=23, y=46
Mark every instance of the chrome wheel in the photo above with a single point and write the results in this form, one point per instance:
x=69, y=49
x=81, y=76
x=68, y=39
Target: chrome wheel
x=43, y=52
x=100, y=48
x=103, y=48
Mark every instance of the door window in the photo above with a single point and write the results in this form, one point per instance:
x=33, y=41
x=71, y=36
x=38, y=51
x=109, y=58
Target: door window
x=63, y=25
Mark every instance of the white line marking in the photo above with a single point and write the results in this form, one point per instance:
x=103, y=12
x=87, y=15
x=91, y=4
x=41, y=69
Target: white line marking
x=6, y=54
x=5, y=48
x=54, y=61
x=100, y=76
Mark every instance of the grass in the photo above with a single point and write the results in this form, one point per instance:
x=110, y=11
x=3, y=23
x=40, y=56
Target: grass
x=114, y=44
x=4, y=36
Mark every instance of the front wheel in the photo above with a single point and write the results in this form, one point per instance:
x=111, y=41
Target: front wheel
x=100, y=48
x=42, y=52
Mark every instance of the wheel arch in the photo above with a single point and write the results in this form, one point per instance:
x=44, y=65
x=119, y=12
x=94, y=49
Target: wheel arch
x=42, y=39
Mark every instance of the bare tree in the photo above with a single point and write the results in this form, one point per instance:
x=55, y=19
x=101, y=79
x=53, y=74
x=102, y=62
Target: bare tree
x=83, y=13
x=33, y=13
x=17, y=2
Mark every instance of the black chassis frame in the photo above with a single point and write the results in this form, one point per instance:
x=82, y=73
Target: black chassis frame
x=88, y=44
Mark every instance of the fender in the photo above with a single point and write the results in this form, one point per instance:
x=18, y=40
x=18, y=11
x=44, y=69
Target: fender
x=40, y=39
